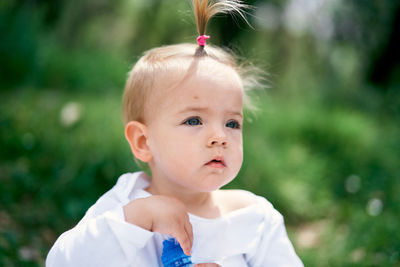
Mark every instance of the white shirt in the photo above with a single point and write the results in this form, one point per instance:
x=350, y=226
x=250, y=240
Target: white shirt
x=251, y=236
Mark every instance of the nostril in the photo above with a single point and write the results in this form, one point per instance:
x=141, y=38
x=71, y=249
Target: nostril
x=217, y=142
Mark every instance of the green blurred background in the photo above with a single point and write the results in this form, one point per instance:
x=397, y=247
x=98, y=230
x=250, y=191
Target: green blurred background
x=324, y=147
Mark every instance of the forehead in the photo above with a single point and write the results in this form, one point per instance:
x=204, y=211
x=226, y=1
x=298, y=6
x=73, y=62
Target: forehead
x=202, y=82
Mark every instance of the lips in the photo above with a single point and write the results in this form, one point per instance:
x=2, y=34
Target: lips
x=217, y=162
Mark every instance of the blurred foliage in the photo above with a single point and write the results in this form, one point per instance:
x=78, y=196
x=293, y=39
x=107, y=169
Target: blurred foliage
x=324, y=147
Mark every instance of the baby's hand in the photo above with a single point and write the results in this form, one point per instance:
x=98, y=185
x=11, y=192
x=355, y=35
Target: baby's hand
x=162, y=214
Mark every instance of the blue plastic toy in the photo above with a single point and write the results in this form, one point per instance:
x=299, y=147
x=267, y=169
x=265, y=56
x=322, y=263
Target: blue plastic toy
x=173, y=255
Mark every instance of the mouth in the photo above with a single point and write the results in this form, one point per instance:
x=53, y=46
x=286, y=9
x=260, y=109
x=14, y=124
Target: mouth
x=217, y=162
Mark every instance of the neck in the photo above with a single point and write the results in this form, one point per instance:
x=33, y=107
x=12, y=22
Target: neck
x=198, y=203
x=192, y=200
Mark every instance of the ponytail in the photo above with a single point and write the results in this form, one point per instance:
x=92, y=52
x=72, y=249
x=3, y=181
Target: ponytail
x=204, y=10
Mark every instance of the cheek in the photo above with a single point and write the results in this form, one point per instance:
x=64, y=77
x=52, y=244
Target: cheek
x=239, y=157
x=173, y=148
x=238, y=152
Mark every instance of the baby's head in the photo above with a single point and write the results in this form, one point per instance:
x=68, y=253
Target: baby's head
x=183, y=111
x=162, y=68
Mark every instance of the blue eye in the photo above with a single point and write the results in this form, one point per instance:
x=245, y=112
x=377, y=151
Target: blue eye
x=233, y=124
x=193, y=121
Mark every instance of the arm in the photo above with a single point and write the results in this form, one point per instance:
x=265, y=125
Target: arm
x=113, y=237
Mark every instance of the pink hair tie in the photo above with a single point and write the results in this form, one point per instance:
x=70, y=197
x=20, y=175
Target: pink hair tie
x=201, y=40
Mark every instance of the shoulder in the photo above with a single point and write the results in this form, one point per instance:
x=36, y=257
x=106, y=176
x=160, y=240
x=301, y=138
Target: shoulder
x=118, y=195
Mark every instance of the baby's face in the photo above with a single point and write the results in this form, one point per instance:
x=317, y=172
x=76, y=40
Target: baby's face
x=195, y=129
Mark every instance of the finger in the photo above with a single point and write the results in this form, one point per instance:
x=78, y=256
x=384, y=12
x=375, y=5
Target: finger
x=189, y=231
x=183, y=240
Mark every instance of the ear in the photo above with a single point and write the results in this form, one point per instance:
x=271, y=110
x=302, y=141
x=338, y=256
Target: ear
x=136, y=135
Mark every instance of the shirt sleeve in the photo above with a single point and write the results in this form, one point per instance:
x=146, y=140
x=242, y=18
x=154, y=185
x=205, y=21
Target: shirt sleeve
x=274, y=248
x=102, y=240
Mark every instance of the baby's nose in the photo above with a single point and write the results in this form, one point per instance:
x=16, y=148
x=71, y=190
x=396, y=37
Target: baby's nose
x=217, y=141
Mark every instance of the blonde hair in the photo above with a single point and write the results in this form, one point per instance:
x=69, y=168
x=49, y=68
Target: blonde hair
x=143, y=75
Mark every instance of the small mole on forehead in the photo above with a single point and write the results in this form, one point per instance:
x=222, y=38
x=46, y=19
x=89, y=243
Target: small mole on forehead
x=196, y=97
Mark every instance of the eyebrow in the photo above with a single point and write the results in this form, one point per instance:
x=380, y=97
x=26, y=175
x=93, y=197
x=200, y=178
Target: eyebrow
x=204, y=109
